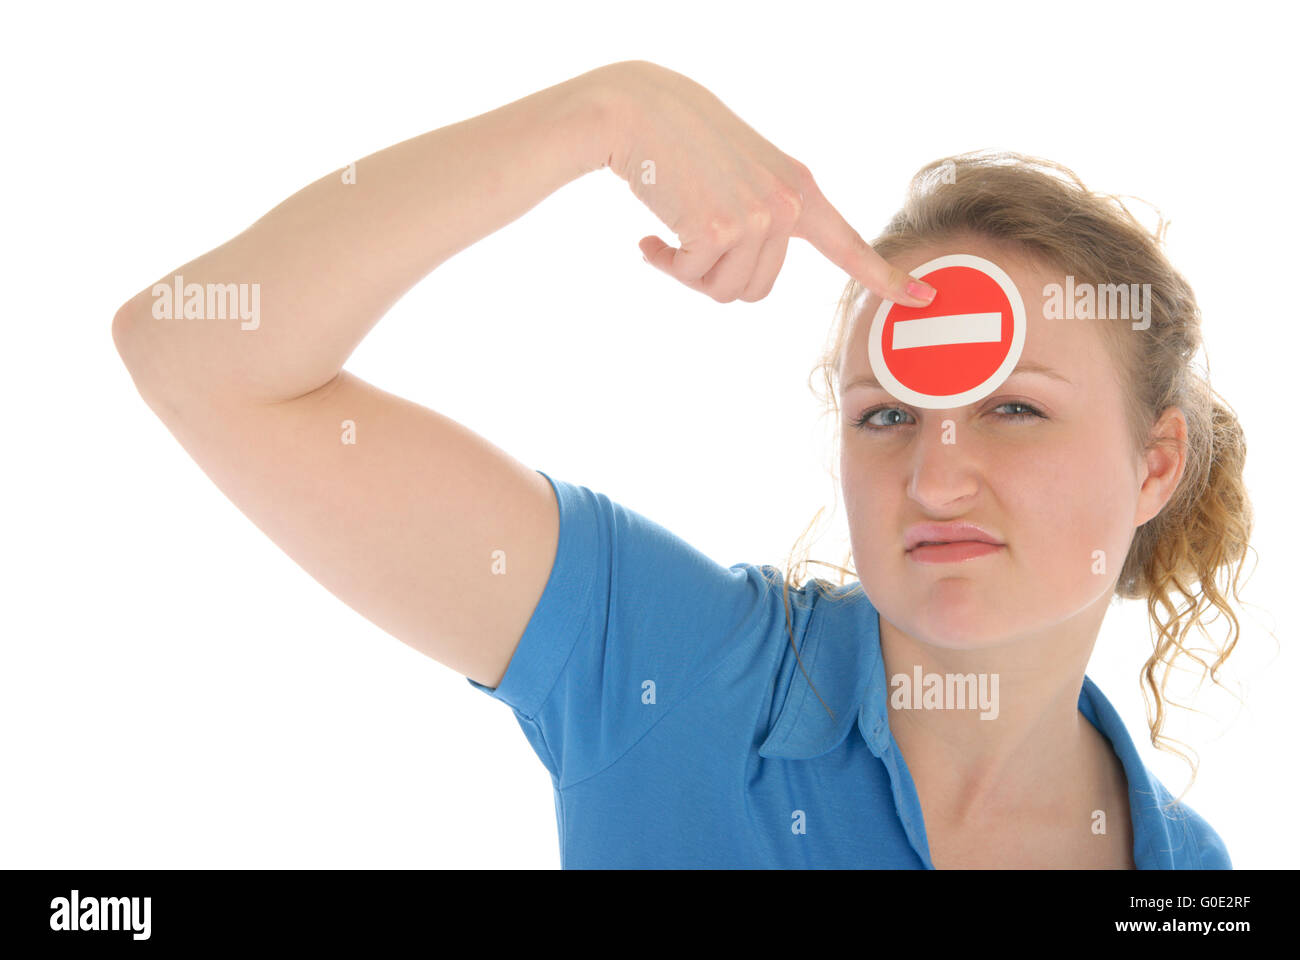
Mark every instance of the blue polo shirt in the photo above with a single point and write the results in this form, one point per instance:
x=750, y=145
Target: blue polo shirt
x=661, y=691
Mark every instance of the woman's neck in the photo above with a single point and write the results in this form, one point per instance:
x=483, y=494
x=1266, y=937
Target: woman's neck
x=1027, y=751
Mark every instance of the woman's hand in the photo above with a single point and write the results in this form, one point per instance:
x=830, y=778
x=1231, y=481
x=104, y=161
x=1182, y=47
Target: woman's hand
x=731, y=197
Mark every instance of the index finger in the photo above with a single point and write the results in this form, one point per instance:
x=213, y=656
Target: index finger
x=822, y=225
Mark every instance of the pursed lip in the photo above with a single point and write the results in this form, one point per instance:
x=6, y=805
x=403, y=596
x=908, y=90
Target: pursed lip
x=953, y=532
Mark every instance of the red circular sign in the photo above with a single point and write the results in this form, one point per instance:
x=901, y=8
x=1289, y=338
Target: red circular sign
x=960, y=346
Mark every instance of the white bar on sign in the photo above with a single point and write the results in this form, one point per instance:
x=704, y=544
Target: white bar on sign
x=951, y=329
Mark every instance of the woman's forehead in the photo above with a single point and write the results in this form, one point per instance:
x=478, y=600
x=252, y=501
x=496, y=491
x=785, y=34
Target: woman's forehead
x=1071, y=347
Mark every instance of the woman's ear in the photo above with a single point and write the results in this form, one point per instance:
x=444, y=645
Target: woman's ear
x=1164, y=461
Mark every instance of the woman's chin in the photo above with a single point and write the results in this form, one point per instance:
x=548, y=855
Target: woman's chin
x=966, y=625
x=955, y=613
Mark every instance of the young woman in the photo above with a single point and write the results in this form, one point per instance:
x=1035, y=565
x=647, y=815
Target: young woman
x=696, y=716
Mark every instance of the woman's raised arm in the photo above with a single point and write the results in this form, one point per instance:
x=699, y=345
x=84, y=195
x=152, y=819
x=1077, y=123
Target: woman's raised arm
x=241, y=351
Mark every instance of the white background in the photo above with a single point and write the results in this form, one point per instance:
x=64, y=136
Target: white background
x=176, y=692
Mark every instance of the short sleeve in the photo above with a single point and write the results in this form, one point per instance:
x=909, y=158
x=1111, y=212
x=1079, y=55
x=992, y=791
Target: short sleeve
x=631, y=614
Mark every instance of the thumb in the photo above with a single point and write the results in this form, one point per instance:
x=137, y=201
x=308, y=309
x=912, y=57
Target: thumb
x=651, y=247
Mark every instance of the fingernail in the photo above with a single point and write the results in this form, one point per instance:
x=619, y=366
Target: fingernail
x=920, y=290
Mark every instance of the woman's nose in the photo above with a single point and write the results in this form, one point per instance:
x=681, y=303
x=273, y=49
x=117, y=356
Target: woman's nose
x=943, y=468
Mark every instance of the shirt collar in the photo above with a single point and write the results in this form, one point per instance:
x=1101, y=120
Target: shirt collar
x=850, y=679
x=848, y=676
x=1161, y=838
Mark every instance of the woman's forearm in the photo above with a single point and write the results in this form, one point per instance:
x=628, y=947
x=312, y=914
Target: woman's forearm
x=277, y=310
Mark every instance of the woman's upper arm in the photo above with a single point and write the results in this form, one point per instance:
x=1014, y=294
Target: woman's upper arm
x=420, y=525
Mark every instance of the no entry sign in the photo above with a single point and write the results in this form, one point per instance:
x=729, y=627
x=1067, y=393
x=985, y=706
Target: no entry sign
x=960, y=346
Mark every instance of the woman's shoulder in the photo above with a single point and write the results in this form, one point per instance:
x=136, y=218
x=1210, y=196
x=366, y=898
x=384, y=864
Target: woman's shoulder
x=1168, y=834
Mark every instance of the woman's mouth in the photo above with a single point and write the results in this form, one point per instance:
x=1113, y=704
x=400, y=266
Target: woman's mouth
x=952, y=551
x=950, y=542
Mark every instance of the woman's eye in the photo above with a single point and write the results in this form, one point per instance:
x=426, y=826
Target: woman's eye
x=863, y=421
x=1026, y=411
x=883, y=418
